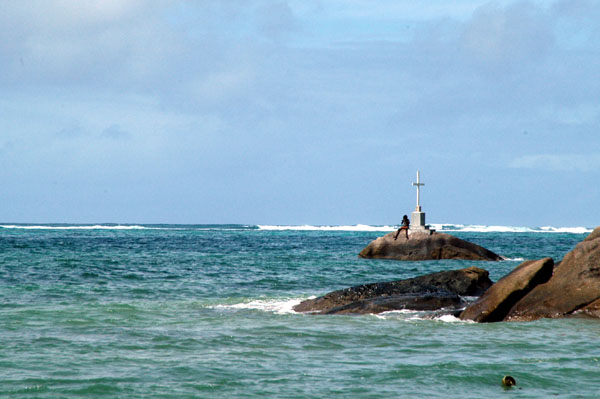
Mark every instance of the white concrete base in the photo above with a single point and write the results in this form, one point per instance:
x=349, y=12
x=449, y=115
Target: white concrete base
x=417, y=219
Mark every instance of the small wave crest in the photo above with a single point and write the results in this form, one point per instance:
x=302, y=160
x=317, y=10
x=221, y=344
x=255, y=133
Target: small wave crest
x=278, y=306
x=448, y=318
x=416, y=315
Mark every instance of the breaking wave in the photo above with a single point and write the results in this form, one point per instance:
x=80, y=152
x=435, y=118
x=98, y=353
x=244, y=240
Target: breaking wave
x=510, y=229
x=279, y=306
x=416, y=315
x=443, y=227
x=286, y=306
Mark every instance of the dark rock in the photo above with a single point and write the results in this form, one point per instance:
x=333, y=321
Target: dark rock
x=574, y=286
x=428, y=301
x=495, y=303
x=425, y=246
x=471, y=281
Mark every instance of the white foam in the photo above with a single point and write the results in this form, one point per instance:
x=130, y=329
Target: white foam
x=508, y=229
x=572, y=230
x=415, y=315
x=402, y=313
x=441, y=227
x=357, y=227
x=448, y=318
x=278, y=306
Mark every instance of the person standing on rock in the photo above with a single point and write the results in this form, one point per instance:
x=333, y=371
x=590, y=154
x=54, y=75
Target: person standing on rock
x=405, y=226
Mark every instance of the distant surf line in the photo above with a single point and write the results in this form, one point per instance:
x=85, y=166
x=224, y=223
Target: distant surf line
x=441, y=227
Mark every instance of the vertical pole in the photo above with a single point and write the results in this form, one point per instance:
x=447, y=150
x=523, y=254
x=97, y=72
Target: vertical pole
x=418, y=192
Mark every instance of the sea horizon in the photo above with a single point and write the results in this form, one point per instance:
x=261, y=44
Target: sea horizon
x=441, y=227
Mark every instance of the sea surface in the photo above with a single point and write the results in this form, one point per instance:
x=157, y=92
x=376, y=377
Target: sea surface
x=197, y=311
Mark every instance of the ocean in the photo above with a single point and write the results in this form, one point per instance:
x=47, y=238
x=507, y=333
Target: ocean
x=205, y=311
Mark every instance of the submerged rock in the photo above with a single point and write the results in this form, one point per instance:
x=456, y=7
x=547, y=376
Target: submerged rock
x=496, y=302
x=574, y=286
x=425, y=246
x=428, y=292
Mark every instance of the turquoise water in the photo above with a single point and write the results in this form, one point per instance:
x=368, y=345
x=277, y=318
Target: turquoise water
x=205, y=312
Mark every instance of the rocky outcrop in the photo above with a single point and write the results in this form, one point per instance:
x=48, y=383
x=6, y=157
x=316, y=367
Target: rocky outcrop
x=533, y=290
x=574, y=286
x=425, y=246
x=497, y=301
x=429, y=292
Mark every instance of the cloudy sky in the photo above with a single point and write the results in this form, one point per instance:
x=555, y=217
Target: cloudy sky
x=300, y=111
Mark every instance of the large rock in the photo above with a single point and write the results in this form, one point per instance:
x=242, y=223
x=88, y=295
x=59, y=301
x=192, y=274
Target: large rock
x=574, y=286
x=496, y=302
x=425, y=246
x=415, y=293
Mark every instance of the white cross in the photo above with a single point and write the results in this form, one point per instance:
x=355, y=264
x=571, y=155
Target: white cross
x=418, y=184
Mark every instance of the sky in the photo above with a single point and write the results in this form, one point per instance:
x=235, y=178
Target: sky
x=300, y=112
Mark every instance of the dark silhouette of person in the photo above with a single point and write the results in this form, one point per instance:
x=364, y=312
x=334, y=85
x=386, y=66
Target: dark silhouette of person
x=405, y=225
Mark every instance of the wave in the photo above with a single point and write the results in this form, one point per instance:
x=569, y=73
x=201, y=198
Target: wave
x=357, y=227
x=286, y=306
x=509, y=229
x=419, y=315
x=442, y=227
x=279, y=306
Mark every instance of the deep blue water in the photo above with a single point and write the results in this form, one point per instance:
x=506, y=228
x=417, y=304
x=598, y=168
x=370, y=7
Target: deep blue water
x=205, y=312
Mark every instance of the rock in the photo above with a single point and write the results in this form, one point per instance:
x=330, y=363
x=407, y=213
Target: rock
x=495, y=303
x=425, y=246
x=591, y=310
x=429, y=301
x=471, y=281
x=574, y=286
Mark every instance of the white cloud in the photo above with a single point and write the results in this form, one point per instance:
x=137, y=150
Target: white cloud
x=563, y=162
x=499, y=36
x=577, y=114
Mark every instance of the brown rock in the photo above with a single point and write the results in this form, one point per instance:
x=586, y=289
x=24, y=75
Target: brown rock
x=471, y=281
x=425, y=246
x=495, y=303
x=591, y=310
x=574, y=285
